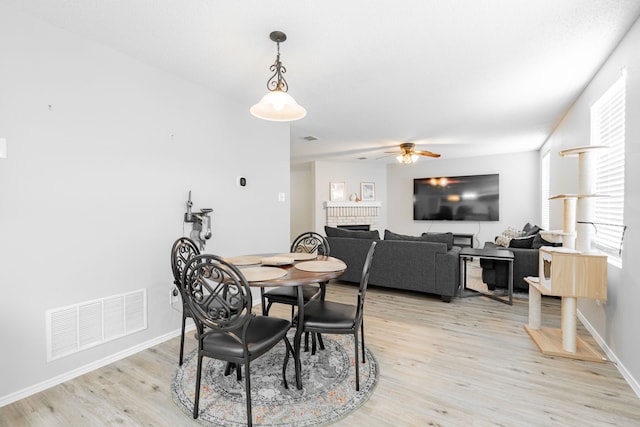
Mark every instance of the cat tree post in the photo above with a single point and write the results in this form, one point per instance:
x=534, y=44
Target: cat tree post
x=584, y=213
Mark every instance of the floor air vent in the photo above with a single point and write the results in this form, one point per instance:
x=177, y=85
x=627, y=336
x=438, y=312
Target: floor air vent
x=80, y=326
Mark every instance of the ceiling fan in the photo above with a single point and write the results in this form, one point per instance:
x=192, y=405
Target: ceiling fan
x=409, y=154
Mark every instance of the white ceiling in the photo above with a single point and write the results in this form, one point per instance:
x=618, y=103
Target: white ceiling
x=458, y=77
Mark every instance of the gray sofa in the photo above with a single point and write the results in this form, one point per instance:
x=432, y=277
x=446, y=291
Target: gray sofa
x=496, y=273
x=525, y=260
x=427, y=263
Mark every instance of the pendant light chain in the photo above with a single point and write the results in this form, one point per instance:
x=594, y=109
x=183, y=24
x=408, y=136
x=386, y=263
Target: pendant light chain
x=277, y=81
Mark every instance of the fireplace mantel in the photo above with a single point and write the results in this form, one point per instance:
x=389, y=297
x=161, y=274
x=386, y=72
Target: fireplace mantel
x=353, y=213
x=347, y=204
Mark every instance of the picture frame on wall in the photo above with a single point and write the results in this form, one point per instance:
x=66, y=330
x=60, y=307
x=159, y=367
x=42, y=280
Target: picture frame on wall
x=367, y=191
x=336, y=191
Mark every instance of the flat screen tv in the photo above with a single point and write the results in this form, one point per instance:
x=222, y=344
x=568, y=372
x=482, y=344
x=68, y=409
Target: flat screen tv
x=457, y=198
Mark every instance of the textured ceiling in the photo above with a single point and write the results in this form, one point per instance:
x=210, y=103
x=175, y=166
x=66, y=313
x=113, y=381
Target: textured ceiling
x=461, y=78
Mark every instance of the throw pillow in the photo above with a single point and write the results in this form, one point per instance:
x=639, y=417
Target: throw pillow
x=521, y=242
x=439, y=238
x=527, y=227
x=533, y=230
x=388, y=235
x=341, y=232
x=507, y=235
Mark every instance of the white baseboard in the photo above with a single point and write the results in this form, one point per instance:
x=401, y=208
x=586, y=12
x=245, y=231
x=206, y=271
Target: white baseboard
x=36, y=388
x=633, y=383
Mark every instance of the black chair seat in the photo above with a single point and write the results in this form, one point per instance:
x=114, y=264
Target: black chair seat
x=326, y=316
x=262, y=334
x=289, y=294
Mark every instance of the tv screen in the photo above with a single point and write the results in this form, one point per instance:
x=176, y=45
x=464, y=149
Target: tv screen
x=457, y=198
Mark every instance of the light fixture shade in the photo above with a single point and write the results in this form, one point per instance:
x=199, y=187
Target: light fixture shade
x=407, y=158
x=278, y=106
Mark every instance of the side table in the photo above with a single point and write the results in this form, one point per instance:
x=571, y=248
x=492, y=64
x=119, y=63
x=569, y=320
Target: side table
x=495, y=254
x=463, y=240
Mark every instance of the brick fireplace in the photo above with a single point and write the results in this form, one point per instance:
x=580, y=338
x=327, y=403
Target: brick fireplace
x=353, y=213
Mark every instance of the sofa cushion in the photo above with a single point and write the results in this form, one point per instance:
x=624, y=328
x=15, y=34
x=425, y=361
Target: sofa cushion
x=521, y=242
x=341, y=232
x=446, y=238
x=389, y=235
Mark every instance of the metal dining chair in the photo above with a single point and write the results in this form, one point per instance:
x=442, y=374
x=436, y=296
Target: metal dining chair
x=308, y=242
x=183, y=250
x=321, y=316
x=231, y=332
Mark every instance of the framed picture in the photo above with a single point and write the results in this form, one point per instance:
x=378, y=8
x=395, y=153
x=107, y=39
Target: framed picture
x=336, y=191
x=367, y=191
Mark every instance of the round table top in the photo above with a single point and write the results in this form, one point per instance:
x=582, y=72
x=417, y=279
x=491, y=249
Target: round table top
x=297, y=277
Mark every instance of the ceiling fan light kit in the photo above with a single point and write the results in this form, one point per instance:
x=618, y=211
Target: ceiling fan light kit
x=277, y=105
x=408, y=153
x=407, y=158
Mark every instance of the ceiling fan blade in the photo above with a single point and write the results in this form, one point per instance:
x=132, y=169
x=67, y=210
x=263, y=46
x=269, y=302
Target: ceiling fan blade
x=392, y=153
x=426, y=153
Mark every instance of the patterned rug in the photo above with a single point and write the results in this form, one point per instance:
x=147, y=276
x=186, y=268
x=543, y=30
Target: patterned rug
x=328, y=394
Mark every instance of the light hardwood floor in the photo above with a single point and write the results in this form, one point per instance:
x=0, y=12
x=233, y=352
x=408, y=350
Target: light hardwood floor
x=467, y=363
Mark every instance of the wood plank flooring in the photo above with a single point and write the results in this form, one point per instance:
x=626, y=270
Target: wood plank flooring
x=467, y=363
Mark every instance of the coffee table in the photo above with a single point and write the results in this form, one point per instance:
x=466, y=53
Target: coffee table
x=481, y=253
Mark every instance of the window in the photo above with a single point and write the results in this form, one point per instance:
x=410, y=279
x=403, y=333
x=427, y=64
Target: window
x=608, y=129
x=544, y=185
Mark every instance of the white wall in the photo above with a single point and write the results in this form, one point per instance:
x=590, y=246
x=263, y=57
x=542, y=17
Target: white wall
x=615, y=322
x=352, y=174
x=102, y=152
x=519, y=193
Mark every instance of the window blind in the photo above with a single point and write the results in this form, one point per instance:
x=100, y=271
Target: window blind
x=608, y=129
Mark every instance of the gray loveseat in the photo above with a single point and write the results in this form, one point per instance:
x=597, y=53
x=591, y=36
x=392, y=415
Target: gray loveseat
x=427, y=263
x=525, y=259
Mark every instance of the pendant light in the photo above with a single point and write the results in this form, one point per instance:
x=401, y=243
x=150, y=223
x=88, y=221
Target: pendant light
x=277, y=105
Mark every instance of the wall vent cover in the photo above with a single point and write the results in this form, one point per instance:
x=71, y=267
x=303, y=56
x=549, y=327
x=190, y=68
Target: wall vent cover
x=84, y=325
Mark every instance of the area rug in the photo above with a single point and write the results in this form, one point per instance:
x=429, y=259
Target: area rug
x=328, y=395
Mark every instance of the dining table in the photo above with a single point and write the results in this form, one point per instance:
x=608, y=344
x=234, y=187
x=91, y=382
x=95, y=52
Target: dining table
x=290, y=269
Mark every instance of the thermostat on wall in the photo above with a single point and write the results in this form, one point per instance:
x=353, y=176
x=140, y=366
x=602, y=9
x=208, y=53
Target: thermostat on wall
x=241, y=181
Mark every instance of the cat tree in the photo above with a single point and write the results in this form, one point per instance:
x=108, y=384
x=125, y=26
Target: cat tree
x=573, y=271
